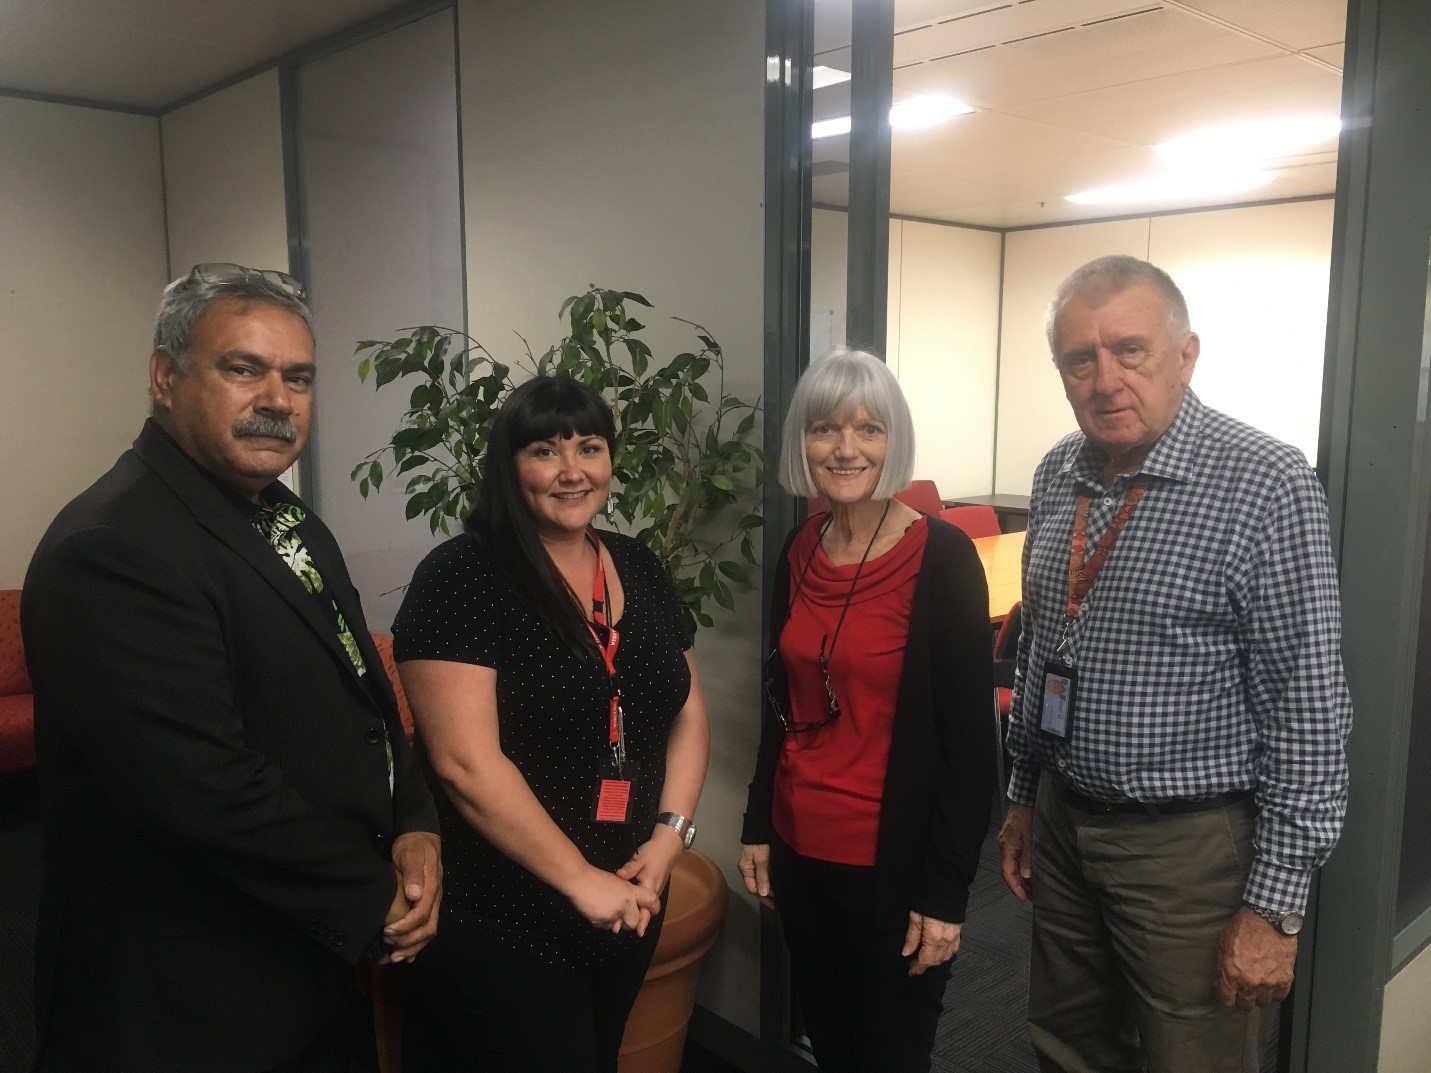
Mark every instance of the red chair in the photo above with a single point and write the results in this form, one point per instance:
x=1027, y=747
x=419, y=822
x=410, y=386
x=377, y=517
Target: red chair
x=923, y=496
x=17, y=701
x=977, y=520
x=1006, y=651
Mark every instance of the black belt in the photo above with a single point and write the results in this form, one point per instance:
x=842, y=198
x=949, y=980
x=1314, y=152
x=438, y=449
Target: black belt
x=1173, y=807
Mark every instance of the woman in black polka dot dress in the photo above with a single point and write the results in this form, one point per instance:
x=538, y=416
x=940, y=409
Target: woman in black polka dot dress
x=561, y=722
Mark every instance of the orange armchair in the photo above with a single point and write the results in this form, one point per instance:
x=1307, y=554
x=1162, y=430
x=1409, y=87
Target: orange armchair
x=384, y=644
x=17, y=700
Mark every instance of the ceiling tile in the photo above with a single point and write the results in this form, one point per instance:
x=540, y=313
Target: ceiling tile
x=1158, y=108
x=957, y=33
x=1121, y=52
x=1331, y=54
x=1294, y=24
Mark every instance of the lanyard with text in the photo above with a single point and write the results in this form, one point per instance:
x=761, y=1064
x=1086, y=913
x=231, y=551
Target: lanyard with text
x=1082, y=568
x=1060, y=677
x=616, y=778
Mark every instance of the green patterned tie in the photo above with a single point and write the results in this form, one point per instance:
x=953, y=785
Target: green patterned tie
x=279, y=525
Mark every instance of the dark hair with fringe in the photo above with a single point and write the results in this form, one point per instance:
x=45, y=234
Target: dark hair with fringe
x=543, y=408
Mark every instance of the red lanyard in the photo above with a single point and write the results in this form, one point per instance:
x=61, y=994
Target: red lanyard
x=600, y=608
x=1082, y=570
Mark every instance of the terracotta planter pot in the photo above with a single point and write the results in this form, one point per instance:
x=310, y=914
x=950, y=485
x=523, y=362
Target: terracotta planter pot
x=656, y=1030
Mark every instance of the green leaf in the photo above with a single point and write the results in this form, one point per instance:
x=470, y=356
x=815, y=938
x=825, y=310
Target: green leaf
x=388, y=371
x=632, y=296
x=733, y=570
x=375, y=474
x=366, y=344
x=363, y=367
x=721, y=481
x=746, y=424
x=638, y=352
x=723, y=597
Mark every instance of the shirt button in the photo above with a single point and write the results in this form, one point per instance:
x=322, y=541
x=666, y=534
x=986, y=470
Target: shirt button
x=1107, y=501
x=374, y=735
x=1063, y=762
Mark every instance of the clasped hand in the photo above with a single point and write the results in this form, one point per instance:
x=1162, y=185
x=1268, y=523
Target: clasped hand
x=412, y=918
x=611, y=902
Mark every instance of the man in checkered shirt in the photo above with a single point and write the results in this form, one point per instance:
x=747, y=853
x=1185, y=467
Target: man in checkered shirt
x=1180, y=712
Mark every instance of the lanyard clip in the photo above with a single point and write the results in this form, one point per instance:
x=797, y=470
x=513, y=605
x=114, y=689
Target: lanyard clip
x=1063, y=651
x=618, y=741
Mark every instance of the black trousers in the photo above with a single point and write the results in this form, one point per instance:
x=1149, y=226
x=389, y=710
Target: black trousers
x=863, y=1012
x=500, y=1009
x=345, y=1045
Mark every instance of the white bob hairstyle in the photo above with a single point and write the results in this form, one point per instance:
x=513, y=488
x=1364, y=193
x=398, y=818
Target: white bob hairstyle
x=836, y=386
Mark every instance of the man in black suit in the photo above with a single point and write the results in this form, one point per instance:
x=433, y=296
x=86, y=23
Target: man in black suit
x=233, y=819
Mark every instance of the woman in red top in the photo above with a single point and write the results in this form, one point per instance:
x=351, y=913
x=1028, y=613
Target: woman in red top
x=874, y=778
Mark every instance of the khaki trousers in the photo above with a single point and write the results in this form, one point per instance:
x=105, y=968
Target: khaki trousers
x=1128, y=915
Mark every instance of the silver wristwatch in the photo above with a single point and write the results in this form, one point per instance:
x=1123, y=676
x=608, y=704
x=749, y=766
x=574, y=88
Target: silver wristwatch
x=1288, y=922
x=681, y=825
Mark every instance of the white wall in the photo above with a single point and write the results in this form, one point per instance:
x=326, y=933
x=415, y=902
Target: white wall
x=82, y=230
x=946, y=355
x=829, y=265
x=1256, y=283
x=223, y=178
x=630, y=153
x=942, y=339
x=1033, y=414
x=1405, y=1028
x=377, y=144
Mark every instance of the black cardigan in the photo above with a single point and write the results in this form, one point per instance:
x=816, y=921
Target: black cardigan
x=939, y=787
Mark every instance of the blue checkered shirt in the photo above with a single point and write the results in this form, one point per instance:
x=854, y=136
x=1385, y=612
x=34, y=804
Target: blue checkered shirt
x=1208, y=651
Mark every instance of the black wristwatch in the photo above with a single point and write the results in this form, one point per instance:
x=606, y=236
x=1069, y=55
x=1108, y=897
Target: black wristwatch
x=1288, y=922
x=681, y=825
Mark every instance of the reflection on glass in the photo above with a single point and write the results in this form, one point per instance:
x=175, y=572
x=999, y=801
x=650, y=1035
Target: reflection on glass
x=829, y=176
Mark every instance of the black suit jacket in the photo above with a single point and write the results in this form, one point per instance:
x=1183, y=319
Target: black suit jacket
x=218, y=821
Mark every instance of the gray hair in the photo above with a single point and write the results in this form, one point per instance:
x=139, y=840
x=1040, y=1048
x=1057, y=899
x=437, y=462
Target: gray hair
x=1108, y=276
x=837, y=385
x=188, y=298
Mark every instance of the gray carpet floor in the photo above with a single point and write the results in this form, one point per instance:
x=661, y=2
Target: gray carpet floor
x=983, y=1028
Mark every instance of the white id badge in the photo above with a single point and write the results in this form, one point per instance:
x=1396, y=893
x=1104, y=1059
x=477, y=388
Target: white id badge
x=1056, y=706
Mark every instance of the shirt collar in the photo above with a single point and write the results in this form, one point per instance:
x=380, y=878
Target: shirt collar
x=240, y=502
x=1173, y=457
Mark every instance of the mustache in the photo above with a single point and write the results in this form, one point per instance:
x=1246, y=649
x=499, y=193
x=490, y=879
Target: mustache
x=273, y=428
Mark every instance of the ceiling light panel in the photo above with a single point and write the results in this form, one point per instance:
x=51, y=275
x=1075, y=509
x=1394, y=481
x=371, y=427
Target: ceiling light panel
x=1252, y=140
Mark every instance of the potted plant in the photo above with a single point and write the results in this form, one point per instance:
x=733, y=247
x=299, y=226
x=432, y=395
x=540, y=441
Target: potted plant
x=687, y=472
